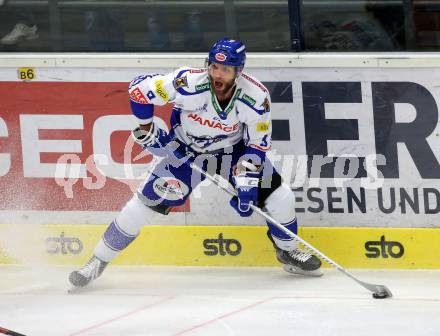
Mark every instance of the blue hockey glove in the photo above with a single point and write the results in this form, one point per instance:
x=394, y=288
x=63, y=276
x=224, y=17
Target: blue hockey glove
x=152, y=140
x=246, y=185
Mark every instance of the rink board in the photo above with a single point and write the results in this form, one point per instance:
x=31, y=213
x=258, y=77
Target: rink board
x=357, y=139
x=385, y=248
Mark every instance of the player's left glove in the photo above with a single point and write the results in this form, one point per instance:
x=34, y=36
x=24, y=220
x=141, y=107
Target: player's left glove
x=152, y=140
x=246, y=185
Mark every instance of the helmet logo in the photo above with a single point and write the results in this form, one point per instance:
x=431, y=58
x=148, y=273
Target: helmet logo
x=220, y=57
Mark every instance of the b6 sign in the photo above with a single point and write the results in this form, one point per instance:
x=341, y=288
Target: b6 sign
x=67, y=146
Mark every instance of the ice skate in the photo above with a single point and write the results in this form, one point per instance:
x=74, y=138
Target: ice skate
x=297, y=261
x=87, y=273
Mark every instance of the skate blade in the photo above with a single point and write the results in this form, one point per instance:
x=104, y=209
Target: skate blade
x=296, y=270
x=75, y=290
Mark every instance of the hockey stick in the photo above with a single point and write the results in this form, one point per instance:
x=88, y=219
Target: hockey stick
x=379, y=291
x=9, y=332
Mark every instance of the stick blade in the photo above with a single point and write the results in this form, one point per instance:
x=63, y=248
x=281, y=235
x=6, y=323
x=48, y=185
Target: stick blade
x=382, y=292
x=379, y=291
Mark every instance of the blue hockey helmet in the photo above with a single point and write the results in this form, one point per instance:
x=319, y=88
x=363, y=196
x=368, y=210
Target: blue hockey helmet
x=228, y=52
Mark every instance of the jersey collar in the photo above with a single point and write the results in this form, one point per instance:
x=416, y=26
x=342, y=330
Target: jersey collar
x=224, y=114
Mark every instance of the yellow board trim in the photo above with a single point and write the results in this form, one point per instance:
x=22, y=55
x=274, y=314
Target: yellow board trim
x=400, y=248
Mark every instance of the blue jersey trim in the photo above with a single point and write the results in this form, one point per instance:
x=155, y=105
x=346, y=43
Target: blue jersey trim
x=260, y=112
x=186, y=93
x=181, y=73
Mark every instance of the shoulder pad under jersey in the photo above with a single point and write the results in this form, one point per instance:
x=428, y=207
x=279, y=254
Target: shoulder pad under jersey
x=191, y=81
x=254, y=94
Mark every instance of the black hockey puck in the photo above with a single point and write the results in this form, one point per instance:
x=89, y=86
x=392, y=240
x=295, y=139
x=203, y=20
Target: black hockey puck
x=380, y=295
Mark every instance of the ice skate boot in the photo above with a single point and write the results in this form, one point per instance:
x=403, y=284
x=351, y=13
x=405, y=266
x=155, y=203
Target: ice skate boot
x=297, y=261
x=87, y=273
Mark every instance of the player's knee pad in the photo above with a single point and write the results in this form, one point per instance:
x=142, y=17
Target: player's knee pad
x=281, y=206
x=133, y=216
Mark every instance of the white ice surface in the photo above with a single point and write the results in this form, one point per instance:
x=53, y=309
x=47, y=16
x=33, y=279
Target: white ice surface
x=217, y=301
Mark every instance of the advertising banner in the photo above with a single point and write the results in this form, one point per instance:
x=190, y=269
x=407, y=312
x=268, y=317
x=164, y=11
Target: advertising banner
x=64, y=150
x=360, y=147
x=398, y=248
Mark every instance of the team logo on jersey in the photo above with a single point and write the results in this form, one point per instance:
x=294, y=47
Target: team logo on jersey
x=220, y=57
x=180, y=82
x=266, y=105
x=170, y=188
x=160, y=90
x=263, y=126
x=137, y=96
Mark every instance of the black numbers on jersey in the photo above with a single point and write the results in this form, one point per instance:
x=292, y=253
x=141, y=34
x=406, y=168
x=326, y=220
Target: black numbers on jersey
x=150, y=95
x=264, y=141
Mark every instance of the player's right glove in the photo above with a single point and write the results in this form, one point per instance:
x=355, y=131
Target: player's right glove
x=152, y=140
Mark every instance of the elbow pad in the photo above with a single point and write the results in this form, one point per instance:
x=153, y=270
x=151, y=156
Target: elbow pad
x=143, y=112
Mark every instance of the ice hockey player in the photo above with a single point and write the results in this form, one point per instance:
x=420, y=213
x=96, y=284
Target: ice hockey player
x=219, y=113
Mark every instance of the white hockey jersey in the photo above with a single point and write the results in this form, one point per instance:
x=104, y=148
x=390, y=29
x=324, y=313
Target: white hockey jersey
x=199, y=121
